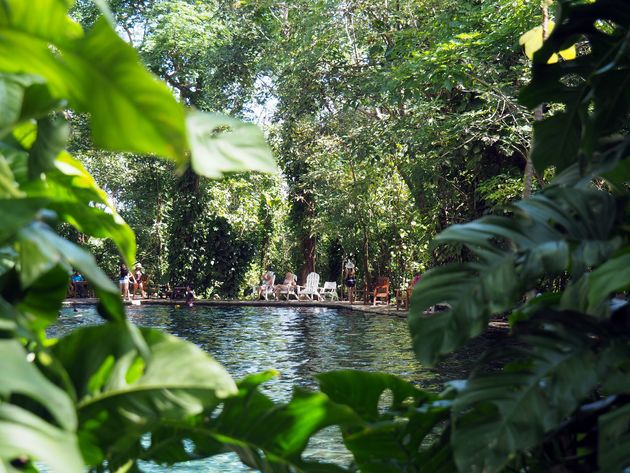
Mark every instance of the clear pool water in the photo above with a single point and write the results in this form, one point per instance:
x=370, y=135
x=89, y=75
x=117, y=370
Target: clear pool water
x=299, y=342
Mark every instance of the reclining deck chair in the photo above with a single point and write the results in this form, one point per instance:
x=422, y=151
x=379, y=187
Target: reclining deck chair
x=312, y=287
x=330, y=290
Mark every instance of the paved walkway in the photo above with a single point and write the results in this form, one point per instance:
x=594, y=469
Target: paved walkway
x=360, y=307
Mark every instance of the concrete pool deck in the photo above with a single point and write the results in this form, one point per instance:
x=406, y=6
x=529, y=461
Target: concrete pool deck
x=358, y=307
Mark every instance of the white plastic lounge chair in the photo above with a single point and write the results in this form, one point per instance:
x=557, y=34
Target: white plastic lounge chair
x=312, y=287
x=329, y=291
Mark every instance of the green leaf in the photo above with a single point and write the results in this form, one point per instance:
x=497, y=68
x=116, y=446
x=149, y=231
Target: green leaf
x=25, y=433
x=614, y=440
x=611, y=277
x=23, y=96
x=362, y=391
x=73, y=193
x=16, y=213
x=130, y=109
x=267, y=436
x=52, y=135
x=17, y=160
x=402, y=428
x=8, y=185
x=221, y=145
x=499, y=415
x=39, y=102
x=39, y=304
x=7, y=259
x=552, y=232
x=117, y=402
x=556, y=141
x=20, y=376
x=40, y=249
x=99, y=73
x=11, y=95
x=473, y=292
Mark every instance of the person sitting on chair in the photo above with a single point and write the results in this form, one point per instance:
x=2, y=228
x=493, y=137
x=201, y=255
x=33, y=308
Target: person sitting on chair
x=288, y=285
x=266, y=284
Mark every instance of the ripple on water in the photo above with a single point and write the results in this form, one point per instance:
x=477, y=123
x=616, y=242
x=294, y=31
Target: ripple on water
x=299, y=342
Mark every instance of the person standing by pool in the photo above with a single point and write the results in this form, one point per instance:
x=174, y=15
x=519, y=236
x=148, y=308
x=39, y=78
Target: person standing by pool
x=190, y=296
x=77, y=281
x=123, y=281
x=137, y=281
x=350, y=280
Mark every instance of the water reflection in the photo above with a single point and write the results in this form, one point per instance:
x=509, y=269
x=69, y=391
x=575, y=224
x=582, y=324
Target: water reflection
x=299, y=342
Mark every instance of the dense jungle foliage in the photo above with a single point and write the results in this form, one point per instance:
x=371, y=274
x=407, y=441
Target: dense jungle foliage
x=107, y=397
x=390, y=121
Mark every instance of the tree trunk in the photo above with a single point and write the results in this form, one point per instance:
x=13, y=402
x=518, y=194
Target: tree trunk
x=309, y=246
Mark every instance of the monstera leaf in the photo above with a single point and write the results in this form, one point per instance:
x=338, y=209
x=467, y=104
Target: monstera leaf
x=76, y=198
x=499, y=415
x=98, y=73
x=555, y=231
x=403, y=428
x=387, y=424
x=592, y=89
x=130, y=382
x=533, y=40
x=45, y=434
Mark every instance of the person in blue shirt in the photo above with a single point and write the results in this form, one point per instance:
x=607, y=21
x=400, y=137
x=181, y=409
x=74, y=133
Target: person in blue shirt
x=78, y=289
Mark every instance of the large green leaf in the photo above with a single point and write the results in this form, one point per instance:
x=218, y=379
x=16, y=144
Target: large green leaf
x=73, y=193
x=129, y=383
x=556, y=141
x=555, y=231
x=7, y=259
x=40, y=249
x=251, y=422
x=267, y=436
x=614, y=440
x=16, y=213
x=388, y=425
x=221, y=145
x=52, y=135
x=8, y=184
x=402, y=428
x=11, y=96
x=24, y=433
x=40, y=302
x=497, y=416
x=610, y=278
x=99, y=73
x=592, y=89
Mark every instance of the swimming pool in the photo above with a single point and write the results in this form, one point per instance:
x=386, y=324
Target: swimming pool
x=299, y=342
